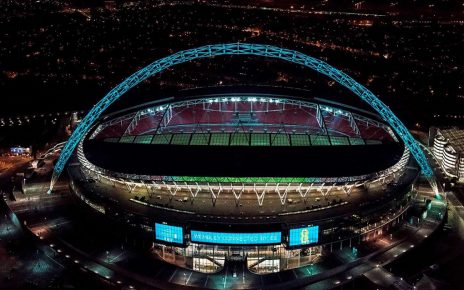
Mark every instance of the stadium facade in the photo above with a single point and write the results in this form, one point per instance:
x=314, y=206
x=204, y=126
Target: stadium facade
x=271, y=179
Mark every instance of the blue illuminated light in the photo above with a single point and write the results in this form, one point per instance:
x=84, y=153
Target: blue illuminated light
x=303, y=236
x=170, y=234
x=236, y=238
x=240, y=49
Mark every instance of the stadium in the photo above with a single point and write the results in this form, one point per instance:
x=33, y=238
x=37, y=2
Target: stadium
x=274, y=180
x=270, y=178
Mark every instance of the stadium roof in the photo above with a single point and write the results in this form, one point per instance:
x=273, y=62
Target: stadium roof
x=243, y=161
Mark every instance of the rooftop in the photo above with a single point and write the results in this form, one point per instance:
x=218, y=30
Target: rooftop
x=455, y=138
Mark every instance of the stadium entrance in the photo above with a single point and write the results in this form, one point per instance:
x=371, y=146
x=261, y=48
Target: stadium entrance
x=236, y=254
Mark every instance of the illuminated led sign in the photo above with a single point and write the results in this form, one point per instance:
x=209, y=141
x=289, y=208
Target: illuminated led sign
x=170, y=234
x=236, y=238
x=303, y=236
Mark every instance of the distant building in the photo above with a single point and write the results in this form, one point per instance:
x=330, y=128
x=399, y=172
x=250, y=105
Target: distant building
x=448, y=148
x=18, y=150
x=110, y=5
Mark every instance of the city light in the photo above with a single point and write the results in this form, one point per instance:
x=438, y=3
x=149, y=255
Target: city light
x=231, y=144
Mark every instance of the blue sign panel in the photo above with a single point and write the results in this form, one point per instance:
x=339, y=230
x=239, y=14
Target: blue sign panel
x=303, y=236
x=170, y=234
x=236, y=238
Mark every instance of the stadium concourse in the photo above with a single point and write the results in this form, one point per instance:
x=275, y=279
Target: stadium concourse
x=270, y=180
